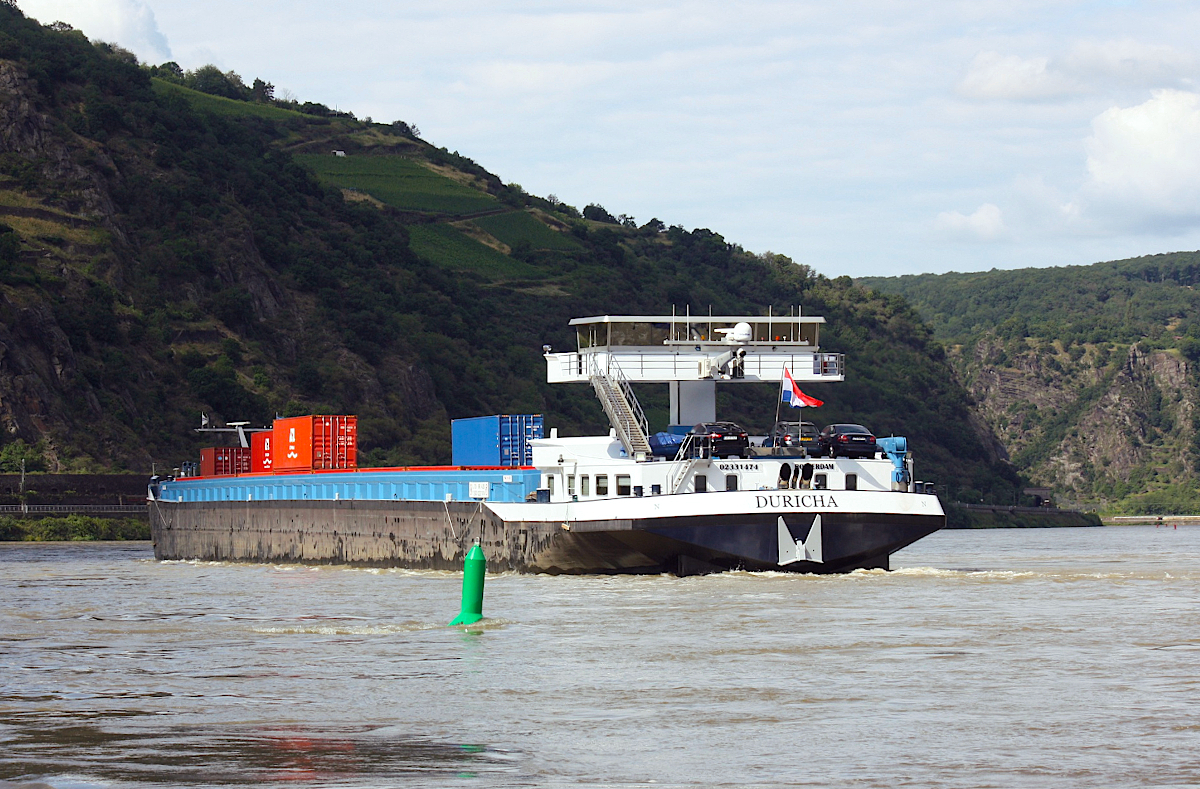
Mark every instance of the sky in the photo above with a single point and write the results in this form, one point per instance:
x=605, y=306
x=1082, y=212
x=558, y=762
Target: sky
x=866, y=137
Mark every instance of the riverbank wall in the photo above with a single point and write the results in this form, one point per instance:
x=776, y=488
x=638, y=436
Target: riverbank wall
x=73, y=490
x=982, y=516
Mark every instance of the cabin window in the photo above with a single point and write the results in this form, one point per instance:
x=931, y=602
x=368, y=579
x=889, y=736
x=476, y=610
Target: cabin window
x=601, y=484
x=570, y=484
x=585, y=485
x=731, y=482
x=624, y=486
x=550, y=483
x=820, y=482
x=701, y=483
x=851, y=482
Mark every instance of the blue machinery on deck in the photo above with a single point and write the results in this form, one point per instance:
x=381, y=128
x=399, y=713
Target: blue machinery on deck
x=896, y=448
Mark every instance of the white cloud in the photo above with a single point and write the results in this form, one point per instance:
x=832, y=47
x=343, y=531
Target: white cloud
x=129, y=23
x=1038, y=207
x=1129, y=62
x=1087, y=67
x=995, y=76
x=986, y=224
x=1143, y=162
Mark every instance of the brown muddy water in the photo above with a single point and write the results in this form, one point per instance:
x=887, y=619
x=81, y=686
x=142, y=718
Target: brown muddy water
x=1015, y=658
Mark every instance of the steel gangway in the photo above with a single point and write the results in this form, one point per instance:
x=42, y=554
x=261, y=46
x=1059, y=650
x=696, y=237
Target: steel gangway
x=624, y=412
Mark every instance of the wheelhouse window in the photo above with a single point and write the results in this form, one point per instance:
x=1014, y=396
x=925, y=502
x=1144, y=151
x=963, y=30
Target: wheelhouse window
x=624, y=485
x=550, y=483
x=585, y=485
x=601, y=484
x=570, y=484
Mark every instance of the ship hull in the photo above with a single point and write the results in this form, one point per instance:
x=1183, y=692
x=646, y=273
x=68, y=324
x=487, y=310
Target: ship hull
x=676, y=534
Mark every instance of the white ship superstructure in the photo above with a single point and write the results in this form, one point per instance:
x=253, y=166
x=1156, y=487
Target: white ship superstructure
x=702, y=511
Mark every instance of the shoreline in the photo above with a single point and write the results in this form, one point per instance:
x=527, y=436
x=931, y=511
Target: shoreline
x=1151, y=520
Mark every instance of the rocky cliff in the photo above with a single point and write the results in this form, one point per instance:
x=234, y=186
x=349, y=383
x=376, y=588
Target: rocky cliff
x=1096, y=424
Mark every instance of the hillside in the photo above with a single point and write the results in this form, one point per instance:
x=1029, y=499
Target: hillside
x=1087, y=374
x=173, y=252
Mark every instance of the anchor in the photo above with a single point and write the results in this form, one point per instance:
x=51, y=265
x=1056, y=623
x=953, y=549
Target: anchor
x=792, y=550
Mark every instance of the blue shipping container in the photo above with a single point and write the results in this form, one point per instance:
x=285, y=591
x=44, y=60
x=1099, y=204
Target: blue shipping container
x=501, y=440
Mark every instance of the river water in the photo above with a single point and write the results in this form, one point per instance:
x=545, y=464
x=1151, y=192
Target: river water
x=1008, y=658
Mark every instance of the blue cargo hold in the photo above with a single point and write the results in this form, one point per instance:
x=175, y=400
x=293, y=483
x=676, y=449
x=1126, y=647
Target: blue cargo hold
x=364, y=485
x=501, y=440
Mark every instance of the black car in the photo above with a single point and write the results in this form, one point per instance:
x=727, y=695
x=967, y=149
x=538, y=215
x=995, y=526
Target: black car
x=848, y=440
x=793, y=434
x=720, y=439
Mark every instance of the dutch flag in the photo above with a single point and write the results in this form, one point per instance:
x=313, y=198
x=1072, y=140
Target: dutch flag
x=793, y=396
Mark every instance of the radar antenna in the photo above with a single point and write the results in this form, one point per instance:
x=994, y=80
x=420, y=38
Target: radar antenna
x=241, y=428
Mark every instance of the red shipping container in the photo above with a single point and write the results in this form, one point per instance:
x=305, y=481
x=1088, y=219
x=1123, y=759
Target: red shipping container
x=224, y=461
x=316, y=442
x=261, y=444
x=335, y=442
x=239, y=460
x=293, y=443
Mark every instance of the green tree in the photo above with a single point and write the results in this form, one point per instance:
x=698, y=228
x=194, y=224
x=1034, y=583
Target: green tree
x=263, y=92
x=597, y=213
x=13, y=453
x=210, y=79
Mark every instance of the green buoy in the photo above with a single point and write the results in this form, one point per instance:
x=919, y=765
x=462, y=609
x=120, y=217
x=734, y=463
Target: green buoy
x=474, y=569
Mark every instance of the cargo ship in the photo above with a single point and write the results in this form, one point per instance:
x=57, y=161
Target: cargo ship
x=538, y=502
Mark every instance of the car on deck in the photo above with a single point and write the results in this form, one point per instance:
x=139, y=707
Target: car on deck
x=793, y=435
x=846, y=440
x=720, y=439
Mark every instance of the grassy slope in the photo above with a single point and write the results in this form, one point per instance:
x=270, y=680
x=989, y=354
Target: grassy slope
x=516, y=227
x=399, y=182
x=407, y=184
x=404, y=183
x=220, y=105
x=451, y=249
